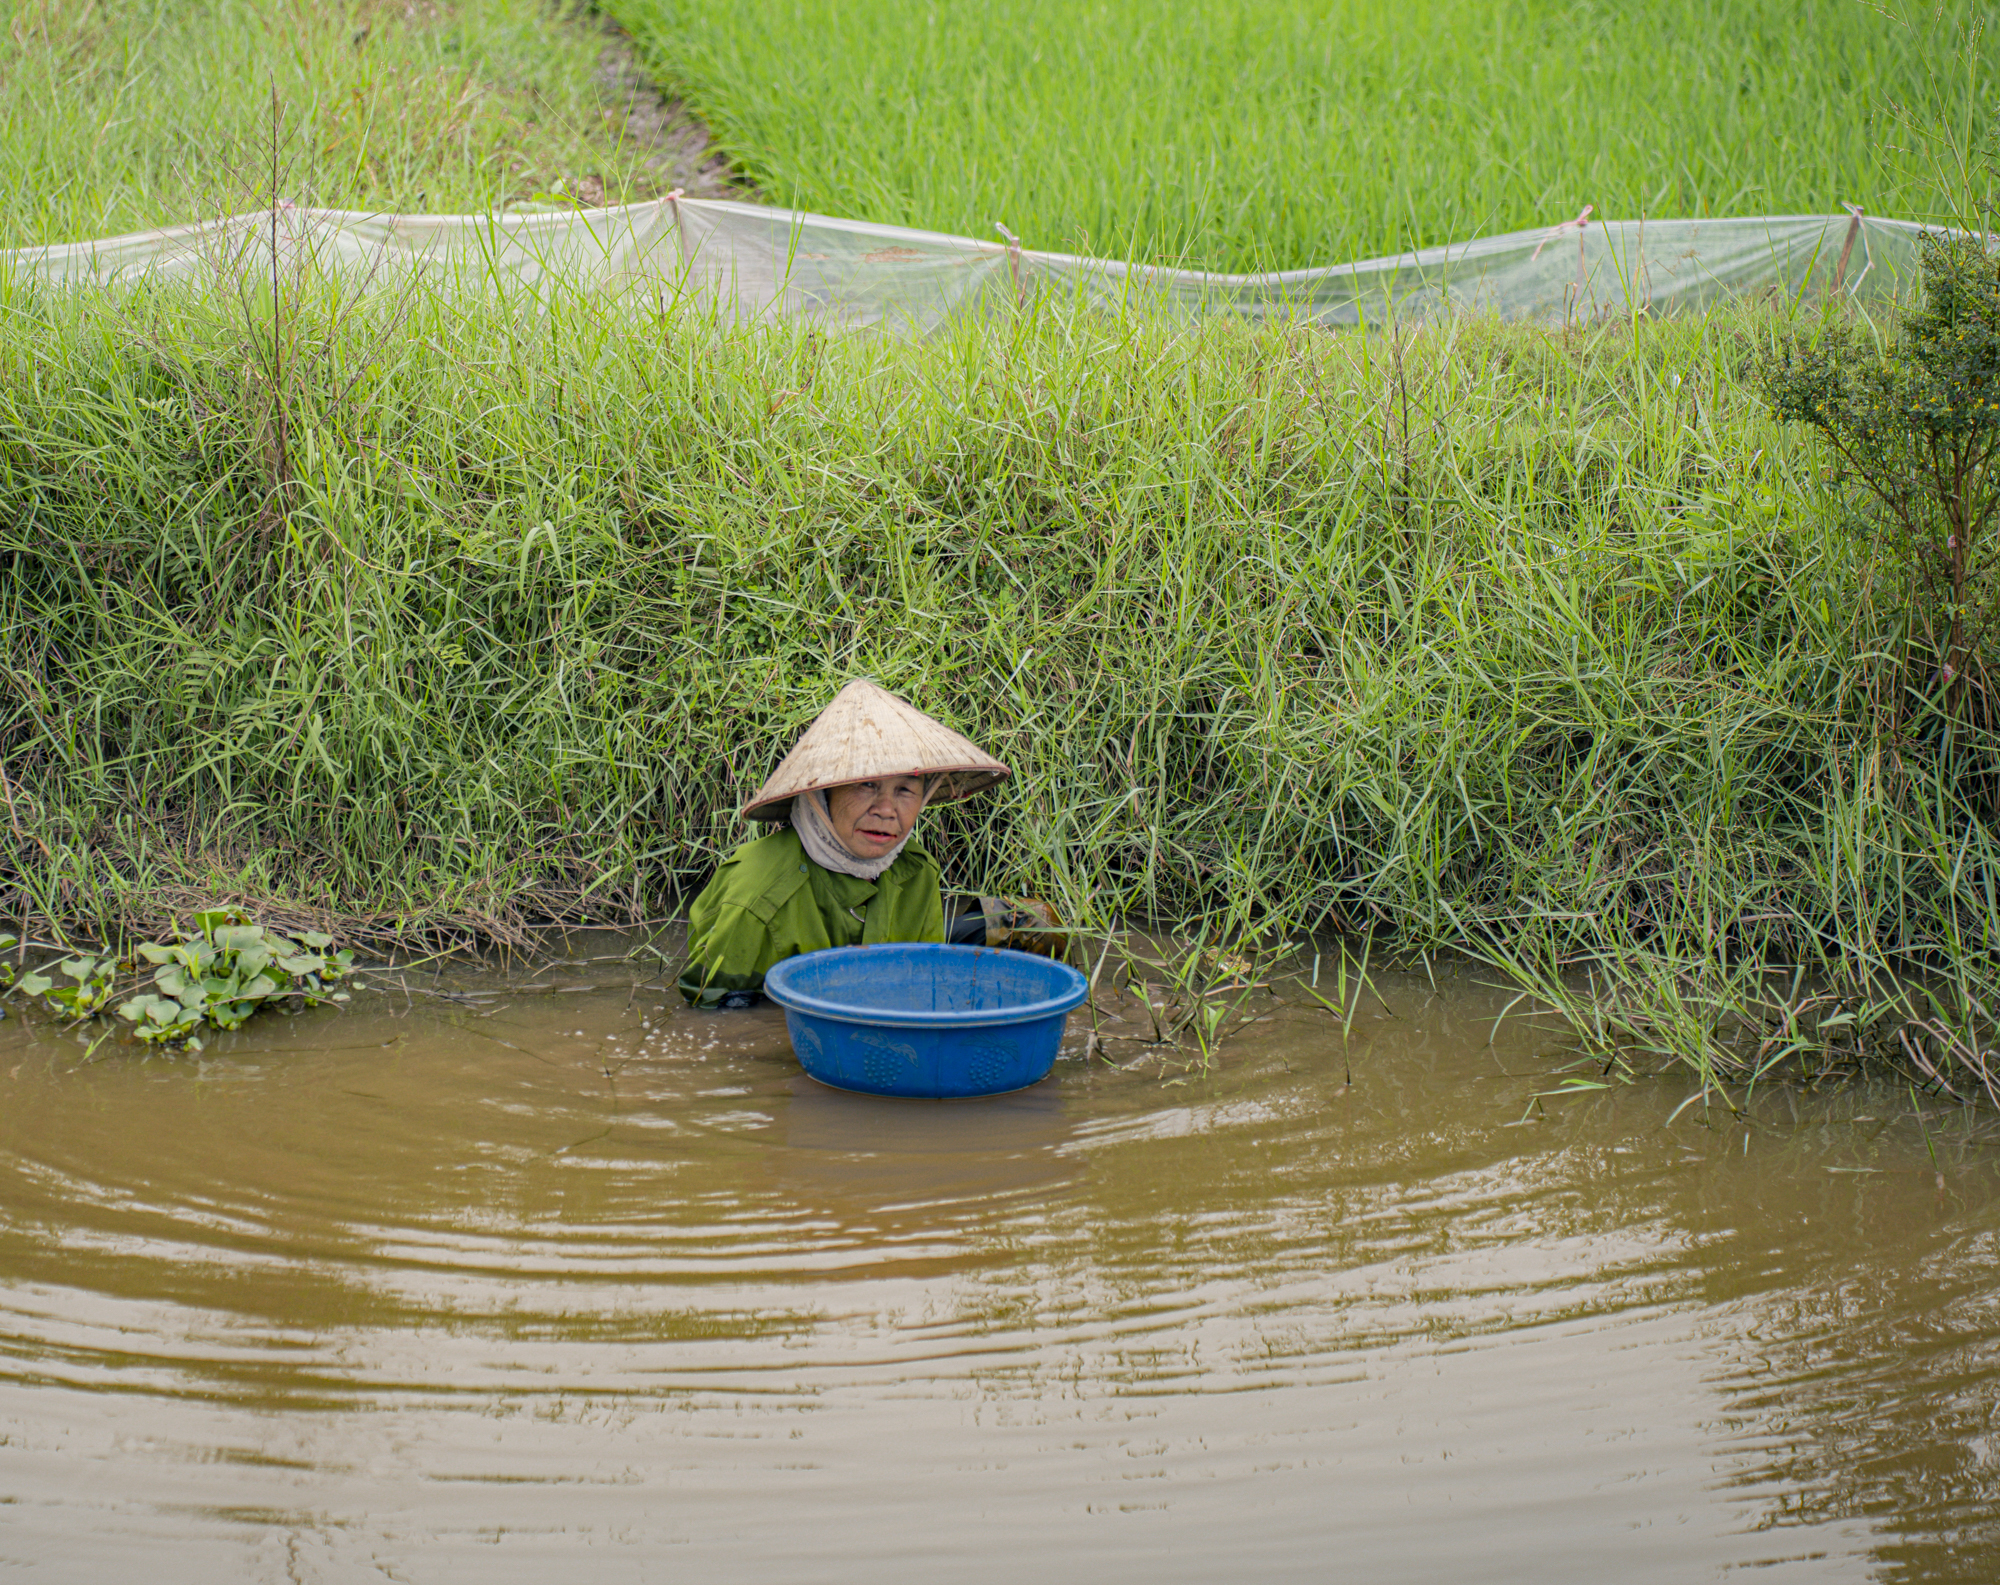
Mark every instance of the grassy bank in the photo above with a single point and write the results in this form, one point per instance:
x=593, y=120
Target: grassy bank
x=431, y=619
x=120, y=115
x=1243, y=134
x=1479, y=632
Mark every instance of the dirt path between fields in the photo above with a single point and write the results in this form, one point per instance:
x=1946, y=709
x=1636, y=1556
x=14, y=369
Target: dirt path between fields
x=683, y=152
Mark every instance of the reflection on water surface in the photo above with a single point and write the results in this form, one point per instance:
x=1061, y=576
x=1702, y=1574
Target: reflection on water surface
x=479, y=1289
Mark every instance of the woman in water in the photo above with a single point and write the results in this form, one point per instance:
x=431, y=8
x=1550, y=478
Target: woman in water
x=844, y=871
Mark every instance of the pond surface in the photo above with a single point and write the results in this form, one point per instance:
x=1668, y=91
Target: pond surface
x=513, y=1286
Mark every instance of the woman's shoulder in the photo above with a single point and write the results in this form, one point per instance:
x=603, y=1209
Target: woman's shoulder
x=763, y=872
x=773, y=847
x=913, y=864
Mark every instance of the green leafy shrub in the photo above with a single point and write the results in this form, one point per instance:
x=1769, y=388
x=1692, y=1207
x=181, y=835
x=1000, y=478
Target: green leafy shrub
x=1916, y=429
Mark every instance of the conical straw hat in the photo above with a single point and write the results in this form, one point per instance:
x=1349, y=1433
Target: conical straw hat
x=867, y=733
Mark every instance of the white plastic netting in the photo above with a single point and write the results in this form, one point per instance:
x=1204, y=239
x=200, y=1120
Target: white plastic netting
x=752, y=262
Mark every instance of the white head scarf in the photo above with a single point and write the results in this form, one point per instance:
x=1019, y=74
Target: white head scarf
x=814, y=824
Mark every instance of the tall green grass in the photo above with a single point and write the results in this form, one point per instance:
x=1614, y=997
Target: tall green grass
x=1242, y=134
x=464, y=613
x=120, y=115
x=1482, y=635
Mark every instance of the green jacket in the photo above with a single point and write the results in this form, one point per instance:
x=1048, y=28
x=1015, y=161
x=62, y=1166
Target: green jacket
x=769, y=902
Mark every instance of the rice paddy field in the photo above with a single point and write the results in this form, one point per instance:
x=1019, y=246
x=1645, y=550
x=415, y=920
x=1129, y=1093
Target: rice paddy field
x=1251, y=134
x=435, y=619
x=122, y=115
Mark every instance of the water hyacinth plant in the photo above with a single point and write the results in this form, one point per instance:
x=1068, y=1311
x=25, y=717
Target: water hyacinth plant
x=89, y=993
x=217, y=974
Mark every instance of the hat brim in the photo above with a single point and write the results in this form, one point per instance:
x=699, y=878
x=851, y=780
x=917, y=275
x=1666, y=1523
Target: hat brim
x=865, y=734
x=951, y=784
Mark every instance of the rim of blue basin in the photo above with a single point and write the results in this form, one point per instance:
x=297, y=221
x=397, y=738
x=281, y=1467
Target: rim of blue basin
x=777, y=986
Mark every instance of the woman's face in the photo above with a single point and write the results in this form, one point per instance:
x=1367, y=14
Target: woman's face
x=871, y=817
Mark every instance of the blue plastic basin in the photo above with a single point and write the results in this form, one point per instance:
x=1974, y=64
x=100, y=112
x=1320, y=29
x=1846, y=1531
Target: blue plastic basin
x=921, y=1018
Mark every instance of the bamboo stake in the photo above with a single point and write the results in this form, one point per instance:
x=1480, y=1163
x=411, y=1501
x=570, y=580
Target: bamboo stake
x=1847, y=248
x=1013, y=262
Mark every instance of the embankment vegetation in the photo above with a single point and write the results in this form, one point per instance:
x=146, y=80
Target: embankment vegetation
x=1486, y=634
x=428, y=616
x=1258, y=134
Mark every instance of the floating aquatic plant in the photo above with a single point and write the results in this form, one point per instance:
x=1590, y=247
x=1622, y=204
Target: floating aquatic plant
x=217, y=974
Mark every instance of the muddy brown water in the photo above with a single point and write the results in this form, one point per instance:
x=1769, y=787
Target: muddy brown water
x=580, y=1284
